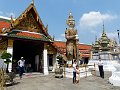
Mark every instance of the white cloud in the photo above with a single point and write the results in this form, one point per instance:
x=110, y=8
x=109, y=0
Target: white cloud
x=63, y=35
x=5, y=17
x=10, y=14
x=59, y=39
x=112, y=35
x=7, y=14
x=93, y=19
x=93, y=31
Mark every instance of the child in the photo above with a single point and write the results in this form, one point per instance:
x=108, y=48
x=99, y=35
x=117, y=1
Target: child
x=77, y=74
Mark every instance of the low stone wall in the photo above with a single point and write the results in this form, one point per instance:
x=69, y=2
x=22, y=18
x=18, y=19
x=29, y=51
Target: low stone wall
x=115, y=78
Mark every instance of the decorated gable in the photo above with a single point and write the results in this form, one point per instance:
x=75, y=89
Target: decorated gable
x=29, y=21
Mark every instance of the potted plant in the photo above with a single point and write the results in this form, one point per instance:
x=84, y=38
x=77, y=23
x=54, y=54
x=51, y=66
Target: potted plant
x=60, y=60
x=8, y=75
x=59, y=70
x=7, y=57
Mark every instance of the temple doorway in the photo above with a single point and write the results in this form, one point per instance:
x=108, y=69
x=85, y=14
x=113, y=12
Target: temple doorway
x=32, y=53
x=86, y=60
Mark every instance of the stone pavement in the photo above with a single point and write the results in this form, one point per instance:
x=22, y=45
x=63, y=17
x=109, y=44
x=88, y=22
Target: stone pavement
x=41, y=82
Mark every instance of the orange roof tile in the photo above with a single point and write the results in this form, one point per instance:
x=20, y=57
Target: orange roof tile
x=85, y=51
x=85, y=55
x=4, y=24
x=83, y=48
x=60, y=44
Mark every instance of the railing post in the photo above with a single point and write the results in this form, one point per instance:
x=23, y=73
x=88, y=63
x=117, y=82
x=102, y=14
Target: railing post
x=86, y=70
x=2, y=79
x=64, y=71
x=94, y=69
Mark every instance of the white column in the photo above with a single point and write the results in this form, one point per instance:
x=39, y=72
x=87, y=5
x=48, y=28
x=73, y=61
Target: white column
x=10, y=50
x=54, y=63
x=45, y=62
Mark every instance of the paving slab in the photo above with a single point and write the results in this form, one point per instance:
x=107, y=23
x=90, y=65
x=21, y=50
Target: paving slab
x=41, y=82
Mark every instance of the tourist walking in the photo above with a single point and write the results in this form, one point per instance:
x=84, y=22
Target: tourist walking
x=74, y=71
x=100, y=65
x=21, y=64
x=77, y=74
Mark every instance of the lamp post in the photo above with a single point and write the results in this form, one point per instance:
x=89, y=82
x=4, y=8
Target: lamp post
x=118, y=36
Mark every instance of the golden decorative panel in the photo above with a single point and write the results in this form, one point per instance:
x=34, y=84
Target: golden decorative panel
x=28, y=22
x=3, y=44
x=51, y=50
x=10, y=43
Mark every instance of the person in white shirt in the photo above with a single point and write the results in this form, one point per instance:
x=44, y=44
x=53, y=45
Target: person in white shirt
x=21, y=64
x=100, y=65
x=74, y=72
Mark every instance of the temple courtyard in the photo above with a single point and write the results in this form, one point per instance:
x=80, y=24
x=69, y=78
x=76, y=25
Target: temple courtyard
x=49, y=82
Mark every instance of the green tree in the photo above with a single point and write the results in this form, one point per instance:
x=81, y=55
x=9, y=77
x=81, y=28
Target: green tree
x=7, y=57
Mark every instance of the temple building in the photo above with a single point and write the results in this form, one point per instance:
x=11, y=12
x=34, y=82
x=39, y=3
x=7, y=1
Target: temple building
x=27, y=37
x=105, y=48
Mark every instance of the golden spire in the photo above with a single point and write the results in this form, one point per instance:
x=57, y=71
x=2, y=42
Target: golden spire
x=32, y=1
x=12, y=21
x=103, y=27
x=95, y=38
x=70, y=21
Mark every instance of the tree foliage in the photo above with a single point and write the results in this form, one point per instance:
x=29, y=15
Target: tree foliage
x=60, y=59
x=6, y=55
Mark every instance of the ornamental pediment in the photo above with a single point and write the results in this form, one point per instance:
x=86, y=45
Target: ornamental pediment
x=29, y=20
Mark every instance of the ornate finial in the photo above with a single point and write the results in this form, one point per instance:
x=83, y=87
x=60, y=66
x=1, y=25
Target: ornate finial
x=95, y=38
x=70, y=13
x=70, y=21
x=12, y=21
x=47, y=27
x=53, y=37
x=103, y=28
x=32, y=1
x=11, y=17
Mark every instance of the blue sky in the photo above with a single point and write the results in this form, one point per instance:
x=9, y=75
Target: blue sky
x=88, y=14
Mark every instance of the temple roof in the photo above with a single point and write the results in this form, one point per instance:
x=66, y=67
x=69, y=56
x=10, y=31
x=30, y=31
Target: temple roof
x=103, y=43
x=83, y=48
x=104, y=39
x=27, y=35
x=29, y=20
x=4, y=23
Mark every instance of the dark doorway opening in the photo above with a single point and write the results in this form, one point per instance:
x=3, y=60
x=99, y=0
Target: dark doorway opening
x=28, y=50
x=50, y=59
x=86, y=60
